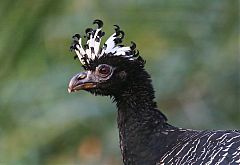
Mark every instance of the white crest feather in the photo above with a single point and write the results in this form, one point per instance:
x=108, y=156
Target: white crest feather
x=110, y=44
x=92, y=49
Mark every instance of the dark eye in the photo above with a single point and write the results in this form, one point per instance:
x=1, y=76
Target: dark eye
x=104, y=70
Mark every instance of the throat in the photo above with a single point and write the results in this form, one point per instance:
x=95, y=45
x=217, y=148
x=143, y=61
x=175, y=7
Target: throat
x=139, y=120
x=136, y=101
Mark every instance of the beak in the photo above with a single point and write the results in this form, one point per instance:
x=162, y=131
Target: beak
x=82, y=81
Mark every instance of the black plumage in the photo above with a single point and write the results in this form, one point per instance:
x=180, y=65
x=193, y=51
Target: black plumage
x=146, y=138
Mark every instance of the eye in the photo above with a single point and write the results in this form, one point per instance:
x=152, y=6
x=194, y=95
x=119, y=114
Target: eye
x=104, y=70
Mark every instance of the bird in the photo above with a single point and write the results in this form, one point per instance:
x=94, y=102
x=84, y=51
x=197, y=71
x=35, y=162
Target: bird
x=146, y=138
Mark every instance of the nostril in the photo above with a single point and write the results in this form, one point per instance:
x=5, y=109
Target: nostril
x=82, y=76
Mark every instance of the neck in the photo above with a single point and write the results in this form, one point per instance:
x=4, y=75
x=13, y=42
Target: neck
x=138, y=116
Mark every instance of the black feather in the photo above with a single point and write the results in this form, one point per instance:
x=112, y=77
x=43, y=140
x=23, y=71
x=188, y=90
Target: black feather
x=75, y=57
x=98, y=22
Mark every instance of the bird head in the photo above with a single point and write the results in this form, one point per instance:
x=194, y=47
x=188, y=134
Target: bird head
x=108, y=69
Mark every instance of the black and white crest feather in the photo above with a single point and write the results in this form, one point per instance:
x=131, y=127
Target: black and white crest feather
x=92, y=49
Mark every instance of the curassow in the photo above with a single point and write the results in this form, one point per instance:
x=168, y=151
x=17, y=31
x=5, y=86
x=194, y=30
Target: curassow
x=146, y=138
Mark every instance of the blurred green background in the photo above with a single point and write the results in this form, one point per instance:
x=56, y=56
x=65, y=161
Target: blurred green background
x=191, y=49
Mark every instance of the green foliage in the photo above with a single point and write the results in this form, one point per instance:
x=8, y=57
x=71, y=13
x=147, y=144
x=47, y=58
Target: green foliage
x=191, y=50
